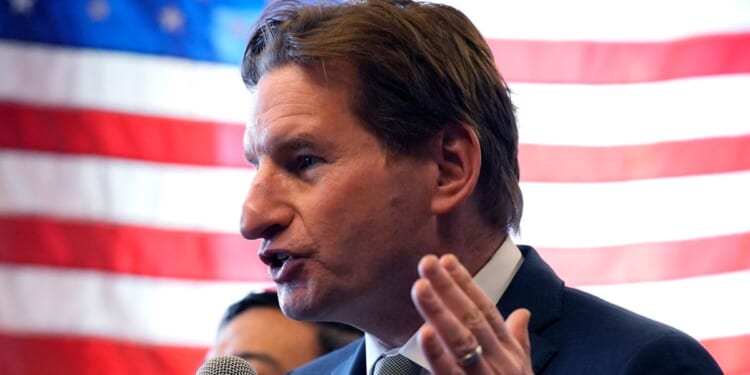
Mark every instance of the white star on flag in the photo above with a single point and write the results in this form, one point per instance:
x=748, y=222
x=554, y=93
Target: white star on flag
x=171, y=18
x=21, y=6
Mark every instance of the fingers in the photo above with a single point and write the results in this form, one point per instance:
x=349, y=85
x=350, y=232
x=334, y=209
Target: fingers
x=441, y=360
x=461, y=319
x=460, y=316
x=487, y=307
x=444, y=338
x=456, y=337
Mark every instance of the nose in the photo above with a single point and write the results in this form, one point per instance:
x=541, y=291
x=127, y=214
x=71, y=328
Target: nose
x=265, y=212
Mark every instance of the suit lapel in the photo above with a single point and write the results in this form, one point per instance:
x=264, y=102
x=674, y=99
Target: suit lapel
x=537, y=288
x=353, y=364
x=542, y=352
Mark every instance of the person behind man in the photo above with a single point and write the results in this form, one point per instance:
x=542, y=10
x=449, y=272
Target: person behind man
x=385, y=192
x=254, y=328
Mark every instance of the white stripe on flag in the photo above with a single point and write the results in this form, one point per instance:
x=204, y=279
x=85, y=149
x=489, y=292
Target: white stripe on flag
x=119, y=191
x=699, y=306
x=620, y=213
x=159, y=310
x=116, y=81
x=610, y=115
x=150, y=310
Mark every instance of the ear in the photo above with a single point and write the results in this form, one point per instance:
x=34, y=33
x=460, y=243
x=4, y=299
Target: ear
x=459, y=159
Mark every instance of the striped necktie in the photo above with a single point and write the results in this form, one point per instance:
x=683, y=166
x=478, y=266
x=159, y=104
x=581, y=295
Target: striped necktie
x=395, y=365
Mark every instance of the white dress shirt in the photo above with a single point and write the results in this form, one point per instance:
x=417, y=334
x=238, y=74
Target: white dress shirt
x=493, y=279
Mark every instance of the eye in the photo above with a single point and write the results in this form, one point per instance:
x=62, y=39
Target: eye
x=304, y=162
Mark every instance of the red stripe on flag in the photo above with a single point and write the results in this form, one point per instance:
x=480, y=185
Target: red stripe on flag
x=213, y=256
x=129, y=249
x=140, y=137
x=730, y=352
x=620, y=62
x=111, y=134
x=44, y=355
x=650, y=261
x=545, y=163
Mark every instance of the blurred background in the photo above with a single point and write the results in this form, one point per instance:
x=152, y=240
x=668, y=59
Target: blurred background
x=122, y=174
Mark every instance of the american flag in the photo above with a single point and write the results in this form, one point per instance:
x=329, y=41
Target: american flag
x=122, y=172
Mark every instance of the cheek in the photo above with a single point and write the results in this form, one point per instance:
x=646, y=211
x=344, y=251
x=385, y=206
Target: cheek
x=351, y=195
x=346, y=216
x=366, y=204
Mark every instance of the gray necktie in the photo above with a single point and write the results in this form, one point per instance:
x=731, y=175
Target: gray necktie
x=395, y=365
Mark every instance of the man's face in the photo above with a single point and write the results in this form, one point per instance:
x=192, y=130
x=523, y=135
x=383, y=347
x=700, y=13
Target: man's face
x=343, y=224
x=272, y=343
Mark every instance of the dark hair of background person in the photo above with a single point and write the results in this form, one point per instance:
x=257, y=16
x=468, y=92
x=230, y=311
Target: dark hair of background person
x=401, y=93
x=331, y=336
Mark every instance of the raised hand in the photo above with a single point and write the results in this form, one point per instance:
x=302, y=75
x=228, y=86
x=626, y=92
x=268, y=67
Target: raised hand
x=464, y=332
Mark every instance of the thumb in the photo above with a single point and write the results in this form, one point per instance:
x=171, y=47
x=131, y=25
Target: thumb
x=518, y=325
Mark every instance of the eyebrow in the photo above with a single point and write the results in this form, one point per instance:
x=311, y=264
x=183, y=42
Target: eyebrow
x=283, y=144
x=263, y=357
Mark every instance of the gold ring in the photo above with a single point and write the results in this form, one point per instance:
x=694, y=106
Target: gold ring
x=471, y=357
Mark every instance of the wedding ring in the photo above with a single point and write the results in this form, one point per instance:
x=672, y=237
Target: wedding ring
x=471, y=357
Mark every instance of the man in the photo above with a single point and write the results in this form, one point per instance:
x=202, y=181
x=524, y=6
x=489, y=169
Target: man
x=386, y=187
x=254, y=328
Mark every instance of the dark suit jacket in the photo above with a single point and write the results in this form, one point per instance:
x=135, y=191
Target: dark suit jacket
x=572, y=333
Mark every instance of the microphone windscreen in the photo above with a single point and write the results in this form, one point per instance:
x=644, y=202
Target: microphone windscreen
x=226, y=365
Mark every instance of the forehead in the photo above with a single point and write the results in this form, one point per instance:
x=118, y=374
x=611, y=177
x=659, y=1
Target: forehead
x=291, y=100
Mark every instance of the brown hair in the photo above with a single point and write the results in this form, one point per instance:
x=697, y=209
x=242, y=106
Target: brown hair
x=419, y=67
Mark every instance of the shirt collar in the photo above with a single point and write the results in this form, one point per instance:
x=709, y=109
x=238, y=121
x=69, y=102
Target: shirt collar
x=493, y=278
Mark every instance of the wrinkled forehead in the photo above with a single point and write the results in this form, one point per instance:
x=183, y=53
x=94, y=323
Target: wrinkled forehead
x=294, y=89
x=274, y=89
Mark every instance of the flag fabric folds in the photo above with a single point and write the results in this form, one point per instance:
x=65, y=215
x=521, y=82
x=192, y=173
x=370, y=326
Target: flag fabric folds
x=122, y=172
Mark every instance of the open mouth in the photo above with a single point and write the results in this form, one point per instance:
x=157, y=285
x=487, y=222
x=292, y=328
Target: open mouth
x=283, y=267
x=275, y=258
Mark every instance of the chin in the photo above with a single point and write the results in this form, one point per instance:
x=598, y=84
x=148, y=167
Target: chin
x=296, y=302
x=301, y=303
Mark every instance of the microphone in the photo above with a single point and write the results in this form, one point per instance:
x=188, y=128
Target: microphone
x=226, y=365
